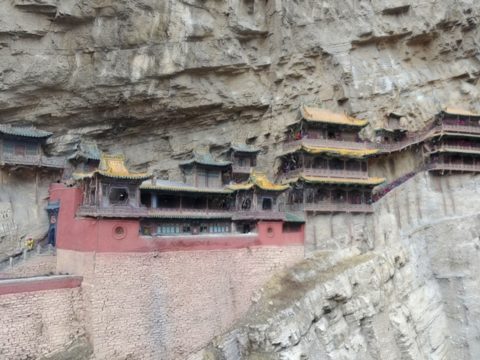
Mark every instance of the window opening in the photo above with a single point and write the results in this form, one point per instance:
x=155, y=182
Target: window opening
x=8, y=148
x=32, y=149
x=267, y=203
x=20, y=150
x=118, y=195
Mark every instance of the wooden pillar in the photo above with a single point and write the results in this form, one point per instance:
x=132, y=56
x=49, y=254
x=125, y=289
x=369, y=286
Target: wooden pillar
x=154, y=200
x=96, y=190
x=181, y=200
x=36, y=186
x=207, y=205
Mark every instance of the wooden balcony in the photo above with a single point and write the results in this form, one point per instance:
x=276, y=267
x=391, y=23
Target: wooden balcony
x=453, y=167
x=120, y=211
x=331, y=144
x=34, y=160
x=259, y=215
x=459, y=128
x=469, y=149
x=331, y=207
x=410, y=140
x=327, y=173
x=242, y=169
x=189, y=212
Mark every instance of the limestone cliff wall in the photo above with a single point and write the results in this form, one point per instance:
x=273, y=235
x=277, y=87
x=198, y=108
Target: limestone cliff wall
x=402, y=283
x=153, y=78
x=23, y=196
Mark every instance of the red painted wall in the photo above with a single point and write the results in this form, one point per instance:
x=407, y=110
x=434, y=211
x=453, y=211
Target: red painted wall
x=87, y=235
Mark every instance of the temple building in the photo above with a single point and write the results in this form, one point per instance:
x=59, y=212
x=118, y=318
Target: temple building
x=203, y=170
x=86, y=158
x=325, y=160
x=455, y=144
x=243, y=158
x=392, y=131
x=258, y=199
x=112, y=190
x=22, y=146
x=199, y=205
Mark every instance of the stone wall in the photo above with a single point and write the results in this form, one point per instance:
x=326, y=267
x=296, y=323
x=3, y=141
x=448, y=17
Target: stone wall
x=38, y=265
x=169, y=305
x=35, y=324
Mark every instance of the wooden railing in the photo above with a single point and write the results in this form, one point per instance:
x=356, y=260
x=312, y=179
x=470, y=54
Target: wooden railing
x=327, y=173
x=458, y=147
x=193, y=212
x=331, y=207
x=34, y=160
x=453, y=167
x=460, y=128
x=258, y=215
x=112, y=211
x=410, y=140
x=242, y=169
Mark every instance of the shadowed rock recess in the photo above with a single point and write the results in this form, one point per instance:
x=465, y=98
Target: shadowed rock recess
x=154, y=79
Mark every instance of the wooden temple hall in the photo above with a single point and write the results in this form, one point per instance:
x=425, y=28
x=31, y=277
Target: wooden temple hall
x=454, y=145
x=22, y=146
x=208, y=201
x=326, y=163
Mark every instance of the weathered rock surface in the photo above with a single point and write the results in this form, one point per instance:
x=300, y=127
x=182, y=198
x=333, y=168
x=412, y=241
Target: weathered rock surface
x=153, y=79
x=157, y=78
x=402, y=284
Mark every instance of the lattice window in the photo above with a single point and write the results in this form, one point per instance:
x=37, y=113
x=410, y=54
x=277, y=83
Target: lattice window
x=213, y=179
x=219, y=228
x=8, y=148
x=168, y=229
x=202, y=178
x=32, y=149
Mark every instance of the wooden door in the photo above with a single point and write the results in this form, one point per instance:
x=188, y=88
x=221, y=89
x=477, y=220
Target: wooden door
x=20, y=150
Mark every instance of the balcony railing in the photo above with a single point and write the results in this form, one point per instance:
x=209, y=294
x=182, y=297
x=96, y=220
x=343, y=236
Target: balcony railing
x=259, y=215
x=411, y=139
x=191, y=212
x=459, y=128
x=34, y=160
x=112, y=211
x=242, y=169
x=453, y=167
x=331, y=207
x=327, y=173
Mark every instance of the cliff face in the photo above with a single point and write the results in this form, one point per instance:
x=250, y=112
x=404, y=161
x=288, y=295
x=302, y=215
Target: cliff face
x=405, y=287
x=153, y=78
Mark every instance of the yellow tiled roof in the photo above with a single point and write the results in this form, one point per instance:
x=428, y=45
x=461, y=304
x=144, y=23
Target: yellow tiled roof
x=323, y=115
x=358, y=154
x=113, y=166
x=309, y=179
x=258, y=178
x=458, y=112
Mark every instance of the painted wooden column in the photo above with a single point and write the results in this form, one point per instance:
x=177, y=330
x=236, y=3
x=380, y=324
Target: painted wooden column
x=207, y=205
x=154, y=200
x=181, y=200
